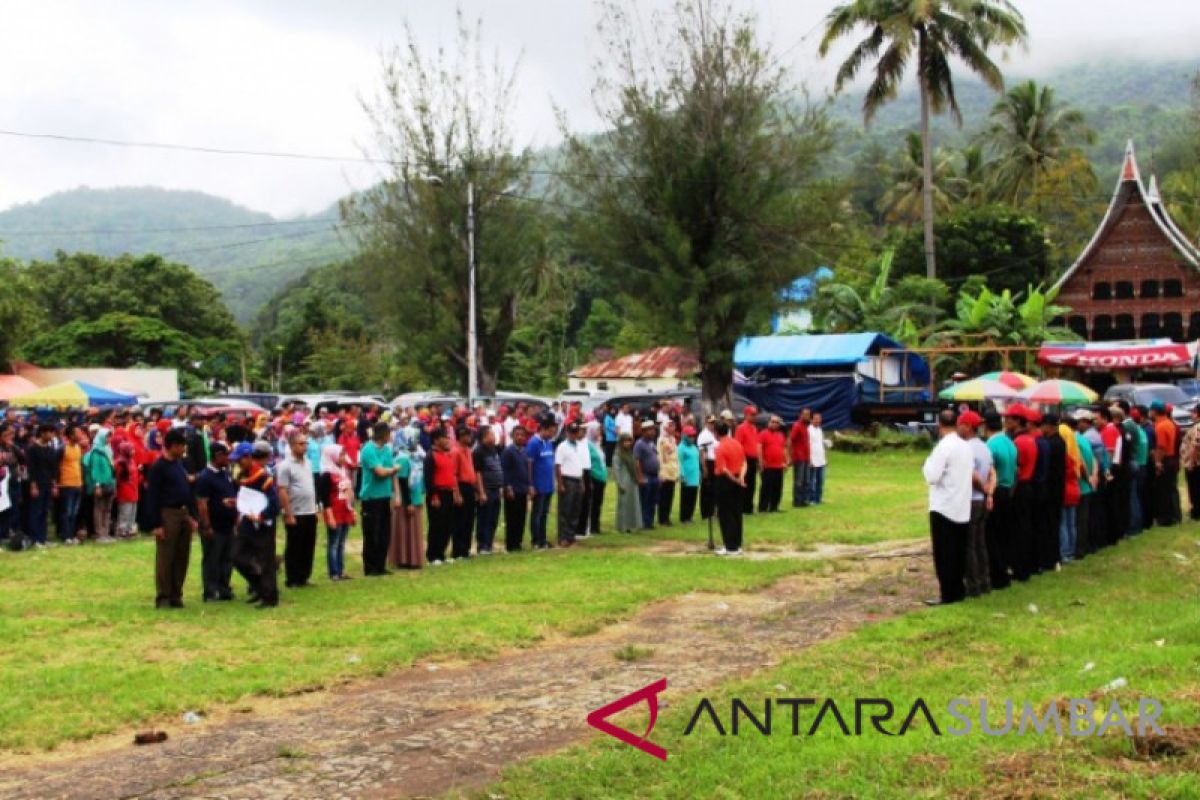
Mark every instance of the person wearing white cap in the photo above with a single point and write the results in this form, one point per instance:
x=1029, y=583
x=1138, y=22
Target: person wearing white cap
x=645, y=451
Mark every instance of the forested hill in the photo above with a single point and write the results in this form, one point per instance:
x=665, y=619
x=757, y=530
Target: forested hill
x=1122, y=99
x=250, y=255
x=247, y=254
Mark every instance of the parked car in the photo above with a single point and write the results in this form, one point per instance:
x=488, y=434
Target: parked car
x=1143, y=394
x=691, y=400
x=1190, y=387
x=339, y=402
x=267, y=400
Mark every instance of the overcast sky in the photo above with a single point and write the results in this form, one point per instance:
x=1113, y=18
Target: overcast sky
x=287, y=74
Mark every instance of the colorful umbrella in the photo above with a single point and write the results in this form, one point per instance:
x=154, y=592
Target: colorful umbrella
x=13, y=385
x=71, y=394
x=1059, y=392
x=1016, y=380
x=976, y=390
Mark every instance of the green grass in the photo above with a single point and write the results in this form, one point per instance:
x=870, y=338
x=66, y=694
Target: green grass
x=85, y=653
x=1110, y=610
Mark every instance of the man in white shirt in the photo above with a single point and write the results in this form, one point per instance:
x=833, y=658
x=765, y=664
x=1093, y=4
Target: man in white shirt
x=816, y=460
x=571, y=463
x=707, y=443
x=624, y=421
x=949, y=472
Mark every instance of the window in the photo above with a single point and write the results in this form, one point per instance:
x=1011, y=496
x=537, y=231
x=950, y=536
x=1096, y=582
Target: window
x=1150, y=288
x=1102, y=291
x=1078, y=324
x=1103, y=328
x=1124, y=290
x=1124, y=327
x=1057, y=322
x=583, y=384
x=1194, y=326
x=1173, y=288
x=1150, y=326
x=1173, y=325
x=602, y=386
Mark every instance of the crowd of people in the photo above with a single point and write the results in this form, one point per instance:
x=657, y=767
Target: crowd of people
x=427, y=486
x=1021, y=493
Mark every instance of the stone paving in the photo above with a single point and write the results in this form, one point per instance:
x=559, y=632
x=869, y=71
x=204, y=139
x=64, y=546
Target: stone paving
x=432, y=728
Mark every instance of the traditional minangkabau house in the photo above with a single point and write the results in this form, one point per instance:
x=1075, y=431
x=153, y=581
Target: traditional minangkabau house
x=1139, y=276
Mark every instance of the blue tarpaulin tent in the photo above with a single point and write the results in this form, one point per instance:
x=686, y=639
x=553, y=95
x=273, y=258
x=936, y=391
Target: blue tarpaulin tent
x=829, y=373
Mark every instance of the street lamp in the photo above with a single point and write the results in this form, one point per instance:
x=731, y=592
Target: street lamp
x=472, y=337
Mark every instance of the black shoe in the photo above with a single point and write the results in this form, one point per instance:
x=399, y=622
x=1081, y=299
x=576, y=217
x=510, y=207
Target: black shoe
x=253, y=598
x=265, y=604
x=176, y=604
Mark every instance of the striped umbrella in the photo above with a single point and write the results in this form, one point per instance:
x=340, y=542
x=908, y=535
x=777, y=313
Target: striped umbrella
x=1016, y=380
x=1059, y=392
x=977, y=390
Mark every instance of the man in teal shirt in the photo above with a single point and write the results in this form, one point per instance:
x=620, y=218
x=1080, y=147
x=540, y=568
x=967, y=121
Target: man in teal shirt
x=597, y=482
x=378, y=468
x=689, y=474
x=1137, y=478
x=1000, y=541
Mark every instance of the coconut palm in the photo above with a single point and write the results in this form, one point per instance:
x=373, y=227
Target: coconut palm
x=928, y=32
x=1030, y=132
x=903, y=198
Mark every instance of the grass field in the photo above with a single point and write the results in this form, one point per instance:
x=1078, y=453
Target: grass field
x=1132, y=613
x=85, y=652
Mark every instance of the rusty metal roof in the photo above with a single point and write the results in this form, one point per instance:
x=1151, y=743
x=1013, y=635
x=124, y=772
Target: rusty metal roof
x=661, y=362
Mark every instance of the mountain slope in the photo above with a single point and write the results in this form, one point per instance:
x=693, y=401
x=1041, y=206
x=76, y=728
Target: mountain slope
x=247, y=254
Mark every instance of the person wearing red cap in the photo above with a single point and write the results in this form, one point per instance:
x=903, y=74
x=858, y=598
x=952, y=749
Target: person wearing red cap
x=983, y=488
x=747, y=436
x=1020, y=544
x=800, y=455
x=1052, y=446
x=773, y=447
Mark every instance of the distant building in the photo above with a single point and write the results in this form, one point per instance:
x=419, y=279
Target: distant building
x=659, y=370
x=1139, y=276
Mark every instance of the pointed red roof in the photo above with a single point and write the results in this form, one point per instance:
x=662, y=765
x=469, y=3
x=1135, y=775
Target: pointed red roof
x=1128, y=187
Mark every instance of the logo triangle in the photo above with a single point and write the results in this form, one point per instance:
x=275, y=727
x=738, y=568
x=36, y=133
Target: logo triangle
x=598, y=719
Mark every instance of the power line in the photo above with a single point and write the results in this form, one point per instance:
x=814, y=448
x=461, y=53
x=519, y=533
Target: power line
x=184, y=229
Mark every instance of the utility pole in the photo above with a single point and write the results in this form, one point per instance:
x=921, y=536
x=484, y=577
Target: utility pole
x=472, y=348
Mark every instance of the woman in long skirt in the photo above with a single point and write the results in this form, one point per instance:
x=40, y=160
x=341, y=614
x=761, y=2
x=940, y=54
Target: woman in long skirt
x=408, y=536
x=625, y=468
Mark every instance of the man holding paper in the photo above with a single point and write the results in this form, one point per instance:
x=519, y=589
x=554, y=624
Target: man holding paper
x=258, y=506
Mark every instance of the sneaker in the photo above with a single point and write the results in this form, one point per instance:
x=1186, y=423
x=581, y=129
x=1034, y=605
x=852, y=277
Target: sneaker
x=484, y=552
x=69, y=542
x=721, y=551
x=437, y=563
x=734, y=552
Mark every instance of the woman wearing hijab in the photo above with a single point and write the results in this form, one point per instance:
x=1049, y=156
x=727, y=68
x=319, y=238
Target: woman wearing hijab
x=408, y=534
x=104, y=484
x=128, y=481
x=626, y=470
x=337, y=495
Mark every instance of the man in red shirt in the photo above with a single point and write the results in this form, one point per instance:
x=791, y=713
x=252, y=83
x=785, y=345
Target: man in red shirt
x=773, y=448
x=1022, y=556
x=801, y=458
x=747, y=436
x=729, y=477
x=1165, y=481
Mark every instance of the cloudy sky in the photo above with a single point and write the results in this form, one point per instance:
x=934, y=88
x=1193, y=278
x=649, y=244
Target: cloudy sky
x=286, y=75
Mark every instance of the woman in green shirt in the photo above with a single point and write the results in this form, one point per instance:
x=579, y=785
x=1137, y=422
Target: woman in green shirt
x=599, y=481
x=689, y=475
x=103, y=480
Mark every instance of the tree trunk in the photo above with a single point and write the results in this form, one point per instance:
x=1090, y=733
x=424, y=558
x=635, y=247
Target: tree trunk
x=927, y=183
x=716, y=387
x=487, y=381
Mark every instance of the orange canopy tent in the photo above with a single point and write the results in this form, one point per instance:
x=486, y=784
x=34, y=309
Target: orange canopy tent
x=14, y=385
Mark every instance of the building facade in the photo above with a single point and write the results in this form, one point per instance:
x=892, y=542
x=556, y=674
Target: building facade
x=662, y=369
x=1139, y=276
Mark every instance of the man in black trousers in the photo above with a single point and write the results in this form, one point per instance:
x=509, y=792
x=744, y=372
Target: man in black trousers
x=216, y=494
x=173, y=516
x=1052, y=493
x=254, y=545
x=948, y=472
x=515, y=464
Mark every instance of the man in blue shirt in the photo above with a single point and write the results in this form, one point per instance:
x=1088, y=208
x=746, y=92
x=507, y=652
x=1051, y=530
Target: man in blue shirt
x=540, y=453
x=609, y=417
x=515, y=464
x=646, y=453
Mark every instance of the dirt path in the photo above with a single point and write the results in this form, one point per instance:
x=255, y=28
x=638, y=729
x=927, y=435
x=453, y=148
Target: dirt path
x=432, y=728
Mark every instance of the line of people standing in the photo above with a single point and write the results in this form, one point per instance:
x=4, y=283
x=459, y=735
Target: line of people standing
x=1043, y=491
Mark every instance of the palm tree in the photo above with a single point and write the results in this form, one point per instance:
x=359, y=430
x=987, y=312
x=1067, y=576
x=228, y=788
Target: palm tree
x=843, y=308
x=929, y=32
x=1031, y=132
x=903, y=198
